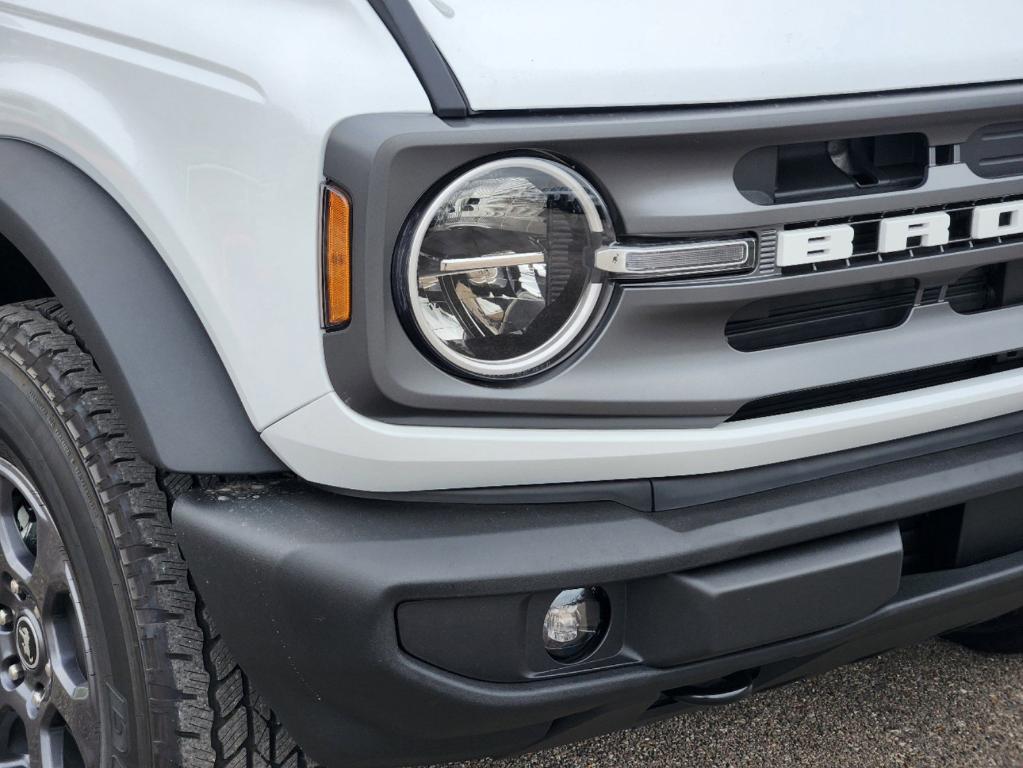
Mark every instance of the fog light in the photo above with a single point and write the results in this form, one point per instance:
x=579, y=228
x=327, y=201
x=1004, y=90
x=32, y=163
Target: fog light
x=575, y=623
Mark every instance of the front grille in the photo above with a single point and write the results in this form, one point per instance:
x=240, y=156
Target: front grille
x=865, y=389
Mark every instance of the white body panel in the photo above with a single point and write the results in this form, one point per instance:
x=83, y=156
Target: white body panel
x=432, y=458
x=207, y=121
x=609, y=53
x=370, y=454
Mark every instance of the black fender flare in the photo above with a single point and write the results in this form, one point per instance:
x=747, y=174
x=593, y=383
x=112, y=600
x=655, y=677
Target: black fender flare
x=169, y=381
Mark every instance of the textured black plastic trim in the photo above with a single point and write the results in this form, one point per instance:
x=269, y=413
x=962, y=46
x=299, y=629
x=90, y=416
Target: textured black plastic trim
x=670, y=619
x=329, y=572
x=991, y=526
x=635, y=494
x=748, y=602
x=170, y=384
x=438, y=80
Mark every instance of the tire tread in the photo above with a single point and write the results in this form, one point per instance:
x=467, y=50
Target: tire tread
x=203, y=711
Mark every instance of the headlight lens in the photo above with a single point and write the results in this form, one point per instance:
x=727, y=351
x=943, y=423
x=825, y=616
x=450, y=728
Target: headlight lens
x=499, y=268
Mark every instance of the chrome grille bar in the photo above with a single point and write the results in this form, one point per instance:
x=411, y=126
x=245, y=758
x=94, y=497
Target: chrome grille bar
x=677, y=259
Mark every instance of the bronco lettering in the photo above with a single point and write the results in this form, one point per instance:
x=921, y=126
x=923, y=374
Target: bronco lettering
x=898, y=233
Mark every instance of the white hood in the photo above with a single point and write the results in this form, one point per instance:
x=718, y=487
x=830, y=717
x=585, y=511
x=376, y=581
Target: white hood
x=553, y=54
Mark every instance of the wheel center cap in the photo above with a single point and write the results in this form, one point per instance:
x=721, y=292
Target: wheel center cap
x=27, y=639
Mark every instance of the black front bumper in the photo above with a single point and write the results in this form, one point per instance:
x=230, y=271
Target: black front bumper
x=331, y=603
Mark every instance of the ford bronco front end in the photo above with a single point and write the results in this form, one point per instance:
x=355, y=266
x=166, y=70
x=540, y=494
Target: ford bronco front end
x=397, y=381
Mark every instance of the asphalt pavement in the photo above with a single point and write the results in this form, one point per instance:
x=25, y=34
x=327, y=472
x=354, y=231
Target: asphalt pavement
x=936, y=704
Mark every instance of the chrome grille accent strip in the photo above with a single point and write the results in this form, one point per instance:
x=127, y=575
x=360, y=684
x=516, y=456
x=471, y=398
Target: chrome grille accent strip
x=677, y=259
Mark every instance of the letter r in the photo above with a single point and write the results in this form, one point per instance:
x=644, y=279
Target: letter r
x=895, y=234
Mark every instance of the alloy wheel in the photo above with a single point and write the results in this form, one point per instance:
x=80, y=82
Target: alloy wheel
x=49, y=714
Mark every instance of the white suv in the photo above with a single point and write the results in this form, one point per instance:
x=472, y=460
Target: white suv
x=487, y=376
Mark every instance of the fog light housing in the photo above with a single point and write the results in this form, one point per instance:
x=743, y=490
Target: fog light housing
x=575, y=623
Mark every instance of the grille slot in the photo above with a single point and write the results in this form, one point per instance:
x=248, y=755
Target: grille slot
x=990, y=287
x=995, y=151
x=786, y=320
x=866, y=389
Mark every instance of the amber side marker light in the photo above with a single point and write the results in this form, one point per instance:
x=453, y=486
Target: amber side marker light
x=337, y=258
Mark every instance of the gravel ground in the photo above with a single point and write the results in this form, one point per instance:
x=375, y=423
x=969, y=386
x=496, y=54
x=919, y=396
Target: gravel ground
x=933, y=705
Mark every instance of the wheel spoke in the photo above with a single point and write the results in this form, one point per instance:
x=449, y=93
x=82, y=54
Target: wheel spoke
x=13, y=752
x=49, y=574
x=7, y=647
x=78, y=719
x=37, y=755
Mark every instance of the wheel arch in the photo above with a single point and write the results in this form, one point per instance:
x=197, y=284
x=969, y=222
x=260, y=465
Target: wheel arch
x=170, y=383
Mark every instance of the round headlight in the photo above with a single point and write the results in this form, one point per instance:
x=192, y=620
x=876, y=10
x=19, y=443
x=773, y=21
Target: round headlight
x=498, y=269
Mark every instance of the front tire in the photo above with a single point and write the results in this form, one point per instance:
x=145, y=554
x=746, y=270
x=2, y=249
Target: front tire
x=90, y=571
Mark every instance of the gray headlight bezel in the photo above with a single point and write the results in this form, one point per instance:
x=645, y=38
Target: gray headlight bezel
x=571, y=334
